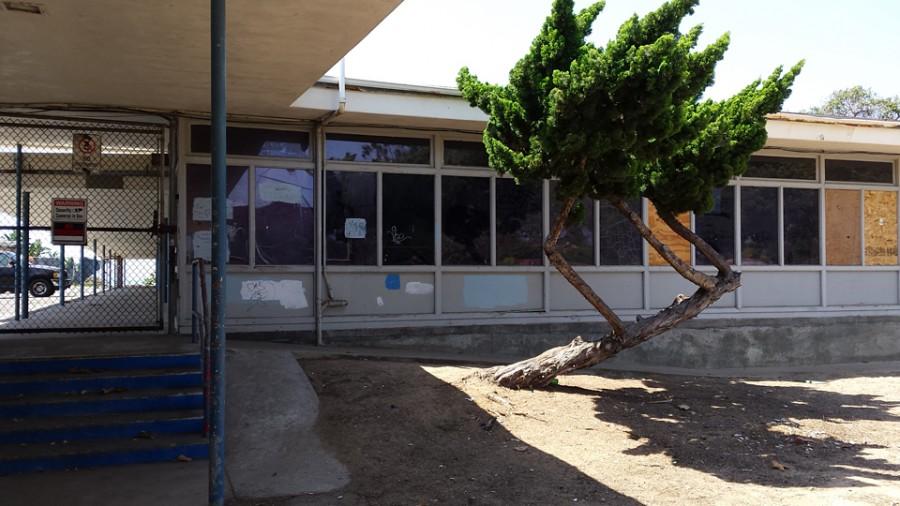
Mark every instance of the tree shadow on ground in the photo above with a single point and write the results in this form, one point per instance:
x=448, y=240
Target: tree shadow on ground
x=409, y=438
x=741, y=432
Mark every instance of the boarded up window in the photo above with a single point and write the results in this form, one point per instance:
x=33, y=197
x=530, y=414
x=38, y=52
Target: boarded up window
x=881, y=227
x=675, y=242
x=842, y=234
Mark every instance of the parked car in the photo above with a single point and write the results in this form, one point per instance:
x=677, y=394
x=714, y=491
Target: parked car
x=43, y=280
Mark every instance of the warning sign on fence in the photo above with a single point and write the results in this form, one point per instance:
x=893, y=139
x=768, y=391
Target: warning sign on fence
x=69, y=222
x=86, y=151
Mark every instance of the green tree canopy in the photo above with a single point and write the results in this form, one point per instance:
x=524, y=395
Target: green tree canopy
x=859, y=102
x=626, y=119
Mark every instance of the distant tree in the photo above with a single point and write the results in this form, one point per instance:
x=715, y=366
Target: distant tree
x=859, y=102
x=618, y=122
x=35, y=249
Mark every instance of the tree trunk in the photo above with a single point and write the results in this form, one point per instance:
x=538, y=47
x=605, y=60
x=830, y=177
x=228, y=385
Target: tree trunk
x=539, y=371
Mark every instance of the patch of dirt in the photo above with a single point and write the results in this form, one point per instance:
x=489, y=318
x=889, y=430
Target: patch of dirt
x=417, y=434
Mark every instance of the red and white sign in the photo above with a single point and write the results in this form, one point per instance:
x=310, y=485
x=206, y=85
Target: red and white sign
x=86, y=150
x=69, y=222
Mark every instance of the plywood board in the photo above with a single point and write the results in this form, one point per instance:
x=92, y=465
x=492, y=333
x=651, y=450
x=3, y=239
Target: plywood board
x=681, y=247
x=880, y=208
x=842, y=227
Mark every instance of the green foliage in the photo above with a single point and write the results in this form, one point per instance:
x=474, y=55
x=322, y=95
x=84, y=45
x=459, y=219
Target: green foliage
x=626, y=119
x=859, y=102
x=35, y=249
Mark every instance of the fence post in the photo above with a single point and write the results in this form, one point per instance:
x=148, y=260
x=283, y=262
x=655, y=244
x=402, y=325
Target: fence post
x=62, y=275
x=81, y=271
x=94, y=267
x=17, y=267
x=26, y=223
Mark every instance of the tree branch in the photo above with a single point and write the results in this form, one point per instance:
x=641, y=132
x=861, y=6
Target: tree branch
x=702, y=246
x=558, y=261
x=700, y=279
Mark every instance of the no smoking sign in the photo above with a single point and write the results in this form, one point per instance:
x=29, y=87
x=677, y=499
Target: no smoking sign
x=86, y=150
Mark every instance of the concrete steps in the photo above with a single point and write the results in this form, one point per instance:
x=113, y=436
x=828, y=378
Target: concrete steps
x=78, y=412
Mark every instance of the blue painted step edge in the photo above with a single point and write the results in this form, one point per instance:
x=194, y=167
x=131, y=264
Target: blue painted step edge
x=100, y=363
x=87, y=407
x=75, y=384
x=87, y=460
x=111, y=431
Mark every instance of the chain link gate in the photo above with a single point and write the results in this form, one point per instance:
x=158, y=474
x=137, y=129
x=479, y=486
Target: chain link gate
x=112, y=283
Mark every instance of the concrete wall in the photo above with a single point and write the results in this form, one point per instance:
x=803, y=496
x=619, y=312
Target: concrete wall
x=698, y=344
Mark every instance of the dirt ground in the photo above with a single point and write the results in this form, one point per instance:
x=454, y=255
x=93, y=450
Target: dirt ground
x=422, y=434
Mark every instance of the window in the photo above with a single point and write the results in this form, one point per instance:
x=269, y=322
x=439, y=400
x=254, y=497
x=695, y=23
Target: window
x=466, y=220
x=620, y=243
x=780, y=167
x=369, y=148
x=465, y=154
x=859, y=171
x=243, y=141
x=716, y=226
x=679, y=245
x=199, y=208
x=759, y=226
x=519, y=223
x=576, y=242
x=408, y=217
x=350, y=219
x=842, y=227
x=881, y=227
x=801, y=226
x=284, y=216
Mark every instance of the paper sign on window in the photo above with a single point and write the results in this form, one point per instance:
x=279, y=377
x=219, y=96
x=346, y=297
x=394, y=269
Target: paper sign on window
x=355, y=228
x=202, y=209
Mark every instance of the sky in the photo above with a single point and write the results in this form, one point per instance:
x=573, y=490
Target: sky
x=844, y=42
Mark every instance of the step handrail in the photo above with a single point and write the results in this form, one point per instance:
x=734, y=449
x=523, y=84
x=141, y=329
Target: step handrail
x=200, y=330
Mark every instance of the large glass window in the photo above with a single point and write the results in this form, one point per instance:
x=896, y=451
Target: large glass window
x=576, y=242
x=465, y=154
x=759, y=226
x=284, y=216
x=244, y=141
x=371, y=148
x=842, y=227
x=781, y=167
x=801, y=226
x=465, y=220
x=350, y=219
x=859, y=171
x=408, y=219
x=199, y=209
x=619, y=242
x=716, y=226
x=519, y=223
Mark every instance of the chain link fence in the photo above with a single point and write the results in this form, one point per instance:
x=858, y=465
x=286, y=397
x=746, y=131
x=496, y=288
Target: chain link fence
x=112, y=283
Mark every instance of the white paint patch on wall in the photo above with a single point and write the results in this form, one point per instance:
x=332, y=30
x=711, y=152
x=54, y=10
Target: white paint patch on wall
x=287, y=292
x=486, y=291
x=419, y=288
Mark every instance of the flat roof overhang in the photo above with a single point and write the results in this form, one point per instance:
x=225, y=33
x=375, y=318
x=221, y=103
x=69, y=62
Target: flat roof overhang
x=155, y=55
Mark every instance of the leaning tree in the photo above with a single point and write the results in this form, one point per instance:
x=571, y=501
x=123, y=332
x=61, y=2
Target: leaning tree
x=617, y=122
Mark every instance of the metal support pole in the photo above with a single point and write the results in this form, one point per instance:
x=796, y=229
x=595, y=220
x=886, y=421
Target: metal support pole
x=103, y=268
x=94, y=269
x=17, y=266
x=62, y=275
x=26, y=245
x=81, y=271
x=219, y=254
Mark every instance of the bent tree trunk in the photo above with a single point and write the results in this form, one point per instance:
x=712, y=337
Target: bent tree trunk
x=580, y=353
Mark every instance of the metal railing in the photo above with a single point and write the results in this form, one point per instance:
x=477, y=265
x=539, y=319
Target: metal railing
x=200, y=330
